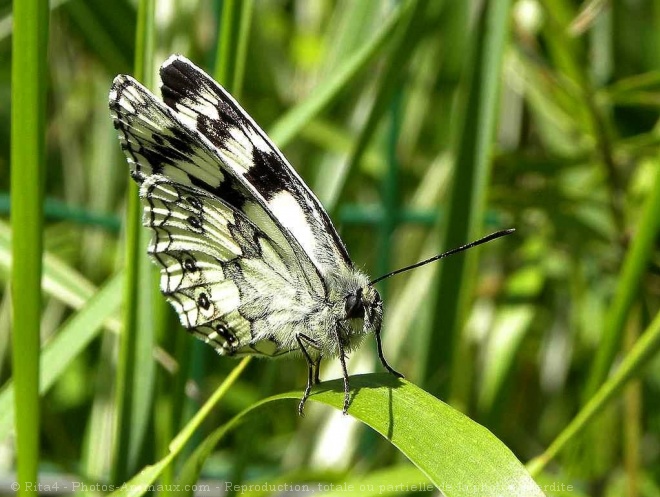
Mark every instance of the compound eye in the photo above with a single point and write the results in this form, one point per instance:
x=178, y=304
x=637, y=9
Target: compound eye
x=354, y=307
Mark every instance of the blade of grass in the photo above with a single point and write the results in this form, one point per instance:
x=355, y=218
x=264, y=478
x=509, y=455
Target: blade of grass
x=632, y=273
x=293, y=121
x=68, y=342
x=28, y=111
x=59, y=279
x=223, y=61
x=230, y=70
x=632, y=365
x=459, y=456
x=133, y=394
x=468, y=197
x=406, y=41
x=241, y=47
x=138, y=485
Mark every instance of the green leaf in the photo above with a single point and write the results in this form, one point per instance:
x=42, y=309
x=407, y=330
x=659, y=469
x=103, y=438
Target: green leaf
x=135, y=378
x=297, y=118
x=632, y=275
x=139, y=484
x=645, y=349
x=454, y=451
x=69, y=341
x=459, y=456
x=28, y=131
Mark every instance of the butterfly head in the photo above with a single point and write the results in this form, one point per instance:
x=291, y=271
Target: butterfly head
x=363, y=308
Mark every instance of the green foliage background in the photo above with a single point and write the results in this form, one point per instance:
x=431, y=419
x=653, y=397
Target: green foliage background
x=420, y=125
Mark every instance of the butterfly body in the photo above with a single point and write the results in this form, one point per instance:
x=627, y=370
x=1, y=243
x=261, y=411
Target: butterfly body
x=249, y=258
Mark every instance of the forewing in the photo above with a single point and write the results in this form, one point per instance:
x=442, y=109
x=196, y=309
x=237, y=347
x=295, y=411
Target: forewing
x=250, y=156
x=155, y=140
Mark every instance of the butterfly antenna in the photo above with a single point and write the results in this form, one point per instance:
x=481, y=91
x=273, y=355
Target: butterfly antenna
x=485, y=239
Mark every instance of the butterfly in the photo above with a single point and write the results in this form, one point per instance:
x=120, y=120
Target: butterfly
x=248, y=256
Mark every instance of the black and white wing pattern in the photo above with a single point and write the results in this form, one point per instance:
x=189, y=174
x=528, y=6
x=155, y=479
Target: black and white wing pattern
x=214, y=262
x=255, y=160
x=249, y=258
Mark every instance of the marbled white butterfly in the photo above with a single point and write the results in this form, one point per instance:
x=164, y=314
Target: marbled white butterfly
x=249, y=258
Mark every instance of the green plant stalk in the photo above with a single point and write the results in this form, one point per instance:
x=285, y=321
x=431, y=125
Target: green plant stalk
x=468, y=199
x=223, y=62
x=150, y=473
x=641, y=353
x=125, y=442
x=632, y=418
x=241, y=47
x=406, y=41
x=298, y=117
x=634, y=268
x=567, y=50
x=28, y=110
x=70, y=340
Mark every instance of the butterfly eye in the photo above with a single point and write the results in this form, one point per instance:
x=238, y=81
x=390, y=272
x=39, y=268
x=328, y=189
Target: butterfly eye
x=354, y=307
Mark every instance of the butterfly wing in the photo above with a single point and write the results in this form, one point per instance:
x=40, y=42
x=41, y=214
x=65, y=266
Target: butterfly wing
x=244, y=286
x=226, y=279
x=251, y=157
x=248, y=256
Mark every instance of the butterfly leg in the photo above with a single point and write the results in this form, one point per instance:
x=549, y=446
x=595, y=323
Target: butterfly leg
x=312, y=366
x=382, y=357
x=317, y=369
x=347, y=390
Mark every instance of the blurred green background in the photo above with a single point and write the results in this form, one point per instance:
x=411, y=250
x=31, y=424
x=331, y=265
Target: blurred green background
x=420, y=126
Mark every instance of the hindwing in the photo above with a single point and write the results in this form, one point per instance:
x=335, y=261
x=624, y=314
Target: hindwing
x=218, y=270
